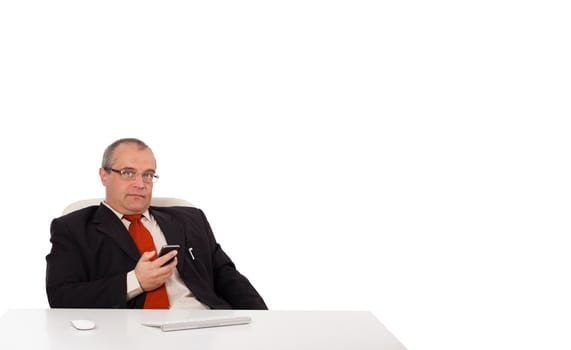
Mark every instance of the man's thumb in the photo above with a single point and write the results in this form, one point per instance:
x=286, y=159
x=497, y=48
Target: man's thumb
x=149, y=255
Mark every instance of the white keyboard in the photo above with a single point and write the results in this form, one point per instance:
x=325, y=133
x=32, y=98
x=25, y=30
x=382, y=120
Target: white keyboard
x=178, y=325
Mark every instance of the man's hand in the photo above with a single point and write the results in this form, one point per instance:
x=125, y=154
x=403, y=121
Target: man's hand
x=151, y=274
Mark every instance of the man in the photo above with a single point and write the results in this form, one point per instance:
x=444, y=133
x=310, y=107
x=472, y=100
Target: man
x=106, y=256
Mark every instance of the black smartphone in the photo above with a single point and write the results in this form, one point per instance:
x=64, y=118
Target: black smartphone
x=167, y=248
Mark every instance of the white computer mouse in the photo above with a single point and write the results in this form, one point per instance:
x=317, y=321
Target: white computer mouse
x=83, y=325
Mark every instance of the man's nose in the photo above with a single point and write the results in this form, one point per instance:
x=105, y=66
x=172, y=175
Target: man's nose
x=138, y=181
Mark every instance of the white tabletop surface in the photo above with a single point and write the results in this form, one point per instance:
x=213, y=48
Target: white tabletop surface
x=123, y=329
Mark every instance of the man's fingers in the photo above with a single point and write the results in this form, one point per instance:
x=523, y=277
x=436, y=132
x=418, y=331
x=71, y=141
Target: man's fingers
x=165, y=258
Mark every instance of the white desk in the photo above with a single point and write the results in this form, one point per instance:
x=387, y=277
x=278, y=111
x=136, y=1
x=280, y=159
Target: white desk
x=122, y=329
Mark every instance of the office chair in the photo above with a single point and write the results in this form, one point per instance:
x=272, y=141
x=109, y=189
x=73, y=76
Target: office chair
x=155, y=201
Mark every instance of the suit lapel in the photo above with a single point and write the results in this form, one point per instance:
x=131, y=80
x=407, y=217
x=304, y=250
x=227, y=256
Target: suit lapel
x=173, y=231
x=109, y=224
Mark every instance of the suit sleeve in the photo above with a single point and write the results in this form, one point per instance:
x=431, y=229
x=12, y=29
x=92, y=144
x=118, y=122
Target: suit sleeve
x=71, y=280
x=229, y=283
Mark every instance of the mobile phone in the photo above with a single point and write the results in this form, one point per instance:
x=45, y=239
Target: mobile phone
x=167, y=248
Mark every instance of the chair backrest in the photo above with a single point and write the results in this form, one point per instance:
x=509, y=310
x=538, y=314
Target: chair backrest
x=155, y=201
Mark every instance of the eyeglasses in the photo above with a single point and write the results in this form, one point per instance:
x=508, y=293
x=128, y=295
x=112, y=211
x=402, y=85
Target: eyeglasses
x=131, y=175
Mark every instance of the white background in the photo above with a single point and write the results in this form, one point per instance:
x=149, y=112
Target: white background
x=410, y=158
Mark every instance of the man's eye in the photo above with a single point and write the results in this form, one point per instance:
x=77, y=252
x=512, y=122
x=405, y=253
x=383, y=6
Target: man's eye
x=148, y=176
x=128, y=173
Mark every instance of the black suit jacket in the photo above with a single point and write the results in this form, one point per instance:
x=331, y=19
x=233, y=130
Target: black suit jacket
x=92, y=252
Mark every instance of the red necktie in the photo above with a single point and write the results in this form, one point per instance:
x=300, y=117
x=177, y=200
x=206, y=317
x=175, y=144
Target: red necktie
x=157, y=298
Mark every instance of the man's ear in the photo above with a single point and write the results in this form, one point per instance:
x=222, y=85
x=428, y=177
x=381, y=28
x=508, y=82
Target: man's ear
x=103, y=175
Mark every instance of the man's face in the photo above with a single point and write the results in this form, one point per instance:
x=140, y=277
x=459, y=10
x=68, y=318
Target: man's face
x=129, y=196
